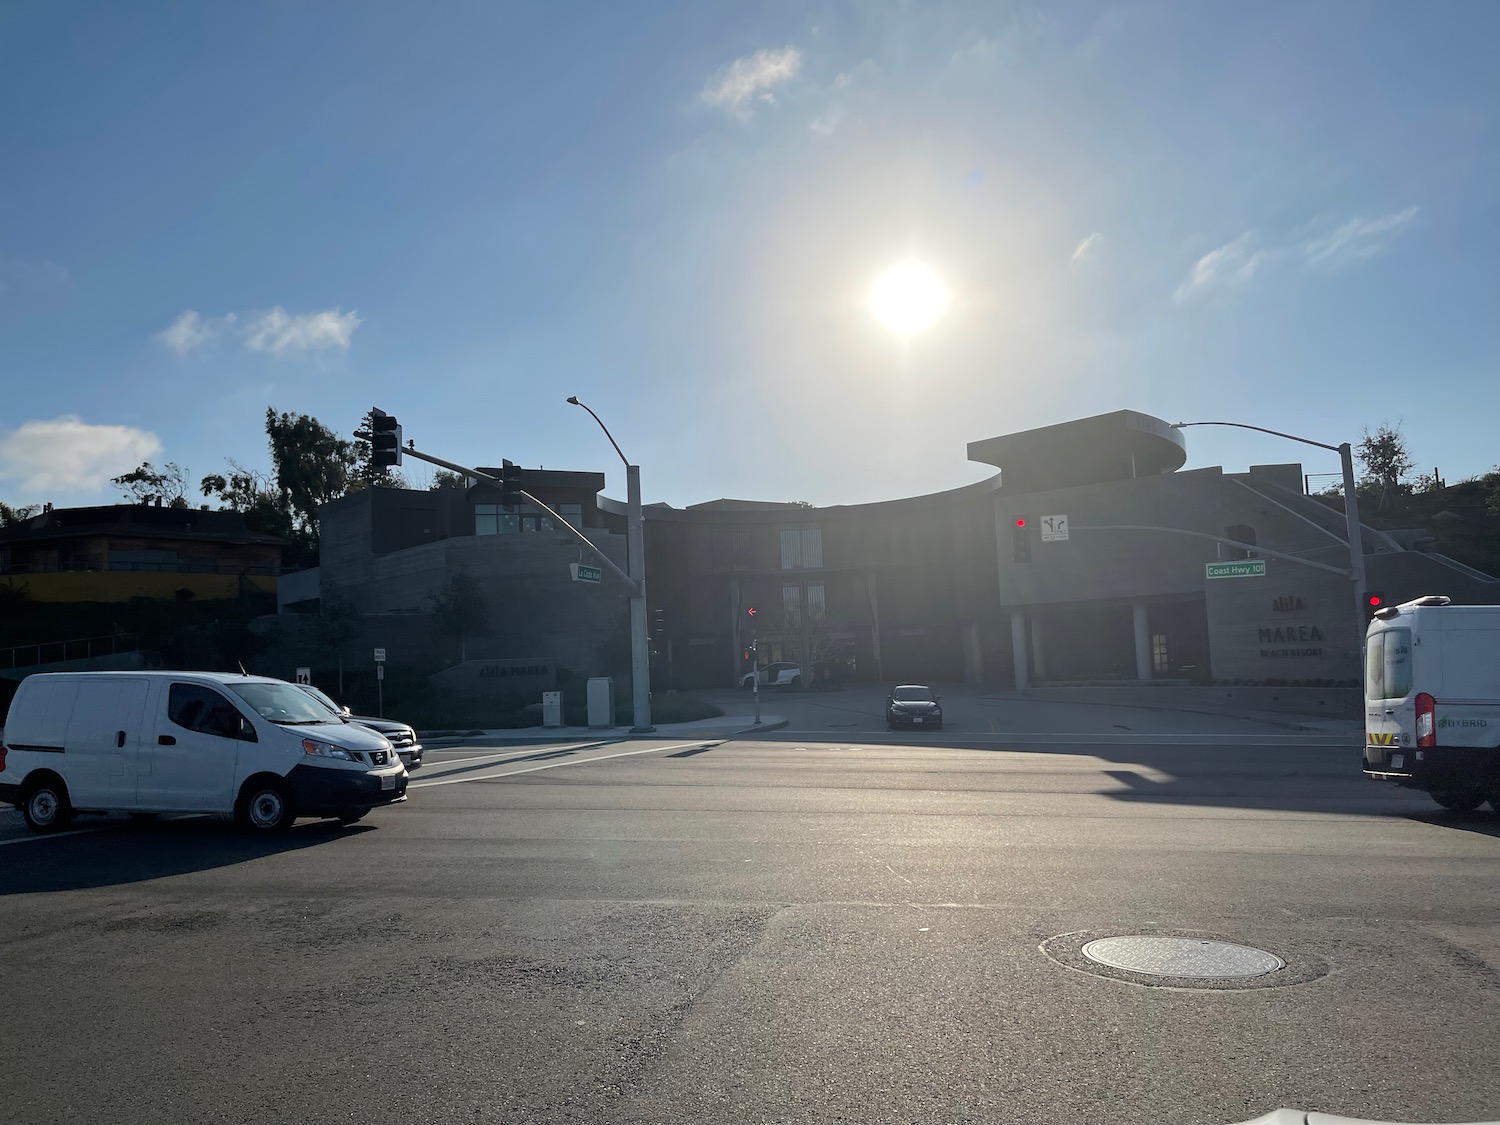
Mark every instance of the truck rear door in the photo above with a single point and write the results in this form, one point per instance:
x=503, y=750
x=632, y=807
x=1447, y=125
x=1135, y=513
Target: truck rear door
x=1390, y=707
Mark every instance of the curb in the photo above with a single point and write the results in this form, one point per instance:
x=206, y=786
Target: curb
x=526, y=735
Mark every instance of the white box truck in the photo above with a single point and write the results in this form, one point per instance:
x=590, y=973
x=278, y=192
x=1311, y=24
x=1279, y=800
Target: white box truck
x=258, y=749
x=1432, y=700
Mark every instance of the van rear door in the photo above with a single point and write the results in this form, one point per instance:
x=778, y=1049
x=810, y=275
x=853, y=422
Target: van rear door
x=1390, y=699
x=102, y=741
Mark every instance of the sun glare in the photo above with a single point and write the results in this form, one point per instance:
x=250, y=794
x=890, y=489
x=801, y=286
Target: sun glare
x=908, y=299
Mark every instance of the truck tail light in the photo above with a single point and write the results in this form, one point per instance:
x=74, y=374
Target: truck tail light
x=1426, y=720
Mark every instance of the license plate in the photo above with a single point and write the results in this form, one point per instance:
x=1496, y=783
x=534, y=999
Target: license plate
x=1397, y=761
x=916, y=720
x=388, y=782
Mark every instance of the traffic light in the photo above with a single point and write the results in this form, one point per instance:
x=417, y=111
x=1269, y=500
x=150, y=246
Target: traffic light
x=750, y=612
x=385, y=440
x=510, y=484
x=1374, y=601
x=1021, y=539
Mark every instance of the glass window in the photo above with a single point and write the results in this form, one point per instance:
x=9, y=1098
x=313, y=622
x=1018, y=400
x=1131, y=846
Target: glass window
x=1159, y=659
x=817, y=605
x=282, y=703
x=486, y=519
x=914, y=694
x=1375, y=666
x=1396, y=663
x=572, y=513
x=201, y=709
x=791, y=604
x=801, y=548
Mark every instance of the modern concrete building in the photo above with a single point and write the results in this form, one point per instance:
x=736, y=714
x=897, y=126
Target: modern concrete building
x=939, y=587
x=118, y=552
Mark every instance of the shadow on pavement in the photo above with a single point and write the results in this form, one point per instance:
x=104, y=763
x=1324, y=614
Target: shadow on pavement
x=131, y=853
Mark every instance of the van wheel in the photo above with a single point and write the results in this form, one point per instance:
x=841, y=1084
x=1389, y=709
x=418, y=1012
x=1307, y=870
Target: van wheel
x=265, y=807
x=1459, y=800
x=46, y=806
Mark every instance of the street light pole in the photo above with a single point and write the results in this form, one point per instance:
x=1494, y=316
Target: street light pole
x=635, y=552
x=1351, y=512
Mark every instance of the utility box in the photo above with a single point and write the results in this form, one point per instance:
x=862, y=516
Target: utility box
x=552, y=709
x=601, y=702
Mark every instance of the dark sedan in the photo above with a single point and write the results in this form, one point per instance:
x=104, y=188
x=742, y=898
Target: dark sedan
x=913, y=705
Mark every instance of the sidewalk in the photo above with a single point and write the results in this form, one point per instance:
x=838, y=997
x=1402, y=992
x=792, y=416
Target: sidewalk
x=722, y=726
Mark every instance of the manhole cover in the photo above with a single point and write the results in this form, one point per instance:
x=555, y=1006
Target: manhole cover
x=1190, y=958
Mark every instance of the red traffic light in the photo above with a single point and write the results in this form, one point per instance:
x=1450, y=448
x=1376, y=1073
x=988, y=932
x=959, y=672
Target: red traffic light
x=1376, y=600
x=750, y=612
x=1021, y=521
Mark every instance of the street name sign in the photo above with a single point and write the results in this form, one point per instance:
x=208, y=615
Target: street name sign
x=1054, y=529
x=582, y=572
x=1247, y=568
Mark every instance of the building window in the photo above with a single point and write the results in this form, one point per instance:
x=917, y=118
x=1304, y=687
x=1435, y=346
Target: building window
x=1159, y=659
x=817, y=603
x=572, y=513
x=791, y=605
x=493, y=519
x=802, y=548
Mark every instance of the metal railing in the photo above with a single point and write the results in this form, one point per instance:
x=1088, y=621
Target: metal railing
x=146, y=568
x=78, y=648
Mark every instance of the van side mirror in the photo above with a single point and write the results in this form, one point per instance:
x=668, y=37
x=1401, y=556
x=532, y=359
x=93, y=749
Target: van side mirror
x=345, y=711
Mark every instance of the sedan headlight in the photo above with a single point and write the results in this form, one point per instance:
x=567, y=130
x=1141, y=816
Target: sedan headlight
x=327, y=750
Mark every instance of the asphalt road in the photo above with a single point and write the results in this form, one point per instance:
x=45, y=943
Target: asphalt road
x=766, y=931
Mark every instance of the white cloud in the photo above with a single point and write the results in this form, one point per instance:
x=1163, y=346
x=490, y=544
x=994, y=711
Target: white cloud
x=20, y=275
x=187, y=333
x=1357, y=240
x=67, y=454
x=1234, y=263
x=280, y=333
x=736, y=87
x=276, y=331
x=1088, y=248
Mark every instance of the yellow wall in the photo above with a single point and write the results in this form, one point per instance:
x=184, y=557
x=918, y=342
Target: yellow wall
x=121, y=586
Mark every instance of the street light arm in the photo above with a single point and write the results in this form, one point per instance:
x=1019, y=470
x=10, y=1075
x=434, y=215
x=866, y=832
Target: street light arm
x=1259, y=429
x=574, y=400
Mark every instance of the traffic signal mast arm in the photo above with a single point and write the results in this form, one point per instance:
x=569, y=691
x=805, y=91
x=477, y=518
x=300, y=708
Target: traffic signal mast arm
x=412, y=451
x=1341, y=571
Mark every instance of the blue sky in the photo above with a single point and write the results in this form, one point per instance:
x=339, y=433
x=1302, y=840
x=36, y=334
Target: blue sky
x=1283, y=214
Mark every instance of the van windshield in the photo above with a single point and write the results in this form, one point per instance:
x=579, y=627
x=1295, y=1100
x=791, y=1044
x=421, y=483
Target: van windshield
x=283, y=703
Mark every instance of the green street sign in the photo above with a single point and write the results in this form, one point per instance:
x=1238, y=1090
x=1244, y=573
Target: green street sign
x=584, y=573
x=1247, y=568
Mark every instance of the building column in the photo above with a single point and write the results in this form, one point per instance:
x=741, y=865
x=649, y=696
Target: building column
x=1038, y=650
x=1142, y=642
x=1018, y=649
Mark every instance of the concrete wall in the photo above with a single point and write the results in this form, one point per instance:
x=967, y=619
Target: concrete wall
x=1293, y=624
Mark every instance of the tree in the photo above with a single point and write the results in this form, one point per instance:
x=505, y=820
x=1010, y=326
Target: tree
x=461, y=610
x=146, y=484
x=367, y=474
x=1386, y=459
x=313, y=465
x=444, y=479
x=266, y=509
x=338, y=624
x=806, y=638
x=9, y=515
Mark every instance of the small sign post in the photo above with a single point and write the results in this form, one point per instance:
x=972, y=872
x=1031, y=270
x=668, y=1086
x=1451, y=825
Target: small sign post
x=1244, y=568
x=1054, y=529
x=380, y=682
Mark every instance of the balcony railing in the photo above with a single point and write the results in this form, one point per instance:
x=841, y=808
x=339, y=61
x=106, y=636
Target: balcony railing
x=145, y=568
x=79, y=648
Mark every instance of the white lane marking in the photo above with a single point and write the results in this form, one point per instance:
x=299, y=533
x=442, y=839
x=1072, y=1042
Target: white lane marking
x=37, y=837
x=518, y=752
x=553, y=765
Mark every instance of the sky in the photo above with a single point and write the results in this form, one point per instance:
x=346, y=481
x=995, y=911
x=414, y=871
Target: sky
x=1283, y=214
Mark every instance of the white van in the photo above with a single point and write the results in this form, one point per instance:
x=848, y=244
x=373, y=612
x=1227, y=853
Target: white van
x=255, y=748
x=1432, y=700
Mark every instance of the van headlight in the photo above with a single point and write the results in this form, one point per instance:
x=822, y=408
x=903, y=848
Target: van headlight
x=326, y=750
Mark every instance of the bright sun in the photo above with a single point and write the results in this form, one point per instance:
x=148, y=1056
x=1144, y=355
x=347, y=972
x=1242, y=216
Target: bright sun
x=908, y=298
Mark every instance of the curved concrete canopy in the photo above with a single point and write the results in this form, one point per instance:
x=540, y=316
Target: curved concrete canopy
x=1116, y=446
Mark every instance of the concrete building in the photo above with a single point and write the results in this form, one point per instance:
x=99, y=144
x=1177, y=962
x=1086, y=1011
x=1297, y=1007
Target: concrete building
x=118, y=552
x=941, y=587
